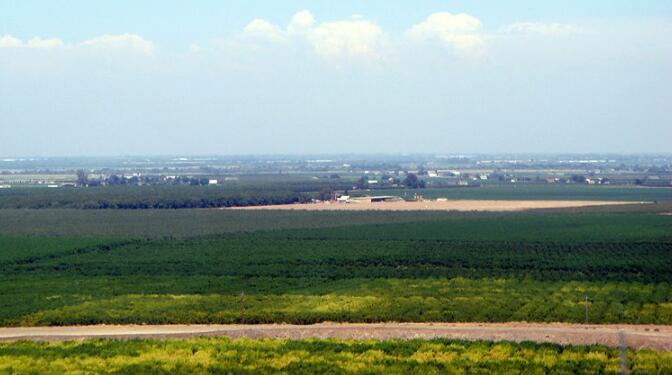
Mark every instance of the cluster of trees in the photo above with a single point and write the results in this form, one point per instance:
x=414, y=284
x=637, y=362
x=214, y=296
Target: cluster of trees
x=147, y=197
x=205, y=202
x=411, y=181
x=116, y=180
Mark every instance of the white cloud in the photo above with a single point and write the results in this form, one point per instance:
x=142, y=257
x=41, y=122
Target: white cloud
x=45, y=43
x=9, y=41
x=359, y=38
x=355, y=38
x=540, y=28
x=265, y=30
x=301, y=22
x=123, y=41
x=460, y=31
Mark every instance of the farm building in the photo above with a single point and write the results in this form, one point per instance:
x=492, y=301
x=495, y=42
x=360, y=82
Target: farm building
x=375, y=199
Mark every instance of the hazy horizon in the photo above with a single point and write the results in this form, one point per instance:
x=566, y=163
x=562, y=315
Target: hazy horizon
x=353, y=77
x=340, y=154
x=540, y=156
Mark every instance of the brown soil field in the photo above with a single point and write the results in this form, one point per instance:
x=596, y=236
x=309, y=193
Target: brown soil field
x=634, y=336
x=449, y=205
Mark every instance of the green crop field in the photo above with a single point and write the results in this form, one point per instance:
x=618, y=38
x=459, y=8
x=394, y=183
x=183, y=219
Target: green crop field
x=454, y=267
x=185, y=222
x=245, y=356
x=197, y=222
x=72, y=266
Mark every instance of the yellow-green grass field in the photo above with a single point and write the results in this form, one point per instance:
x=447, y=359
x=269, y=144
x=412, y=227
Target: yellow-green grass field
x=260, y=356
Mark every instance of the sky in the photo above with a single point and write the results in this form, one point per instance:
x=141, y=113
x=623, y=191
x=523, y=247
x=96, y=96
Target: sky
x=101, y=78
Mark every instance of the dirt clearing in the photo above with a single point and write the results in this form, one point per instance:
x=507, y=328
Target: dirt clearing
x=447, y=205
x=635, y=336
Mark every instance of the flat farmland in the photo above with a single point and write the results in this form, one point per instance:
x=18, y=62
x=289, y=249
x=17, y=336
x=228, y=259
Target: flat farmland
x=447, y=205
x=306, y=291
x=462, y=267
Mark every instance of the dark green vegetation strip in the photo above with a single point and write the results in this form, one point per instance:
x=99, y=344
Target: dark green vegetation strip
x=249, y=190
x=245, y=356
x=444, y=225
x=187, y=222
x=144, y=197
x=342, y=259
x=467, y=267
x=22, y=250
x=508, y=227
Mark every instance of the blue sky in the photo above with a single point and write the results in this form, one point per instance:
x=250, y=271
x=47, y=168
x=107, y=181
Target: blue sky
x=242, y=77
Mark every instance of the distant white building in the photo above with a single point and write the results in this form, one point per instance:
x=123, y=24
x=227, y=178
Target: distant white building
x=212, y=182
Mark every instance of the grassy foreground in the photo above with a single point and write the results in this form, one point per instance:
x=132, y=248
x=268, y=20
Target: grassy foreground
x=248, y=356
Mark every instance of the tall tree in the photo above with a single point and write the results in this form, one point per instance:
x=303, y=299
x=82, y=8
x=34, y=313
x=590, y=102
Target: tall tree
x=82, y=177
x=413, y=182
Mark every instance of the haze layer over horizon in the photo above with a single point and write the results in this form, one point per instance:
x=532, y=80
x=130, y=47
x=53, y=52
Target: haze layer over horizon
x=212, y=78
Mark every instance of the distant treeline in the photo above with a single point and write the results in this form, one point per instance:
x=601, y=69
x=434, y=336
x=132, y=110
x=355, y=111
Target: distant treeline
x=146, y=197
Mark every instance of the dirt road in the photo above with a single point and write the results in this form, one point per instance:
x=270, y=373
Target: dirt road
x=447, y=205
x=636, y=336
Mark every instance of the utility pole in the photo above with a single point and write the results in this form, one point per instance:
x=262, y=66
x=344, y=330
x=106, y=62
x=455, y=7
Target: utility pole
x=586, y=308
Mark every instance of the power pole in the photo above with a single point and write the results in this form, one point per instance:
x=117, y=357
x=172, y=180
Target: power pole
x=586, y=308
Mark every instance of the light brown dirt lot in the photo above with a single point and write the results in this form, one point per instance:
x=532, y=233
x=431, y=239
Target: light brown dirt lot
x=635, y=336
x=450, y=205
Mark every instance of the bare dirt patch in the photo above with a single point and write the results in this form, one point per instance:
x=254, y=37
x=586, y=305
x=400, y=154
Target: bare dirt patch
x=449, y=205
x=635, y=336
